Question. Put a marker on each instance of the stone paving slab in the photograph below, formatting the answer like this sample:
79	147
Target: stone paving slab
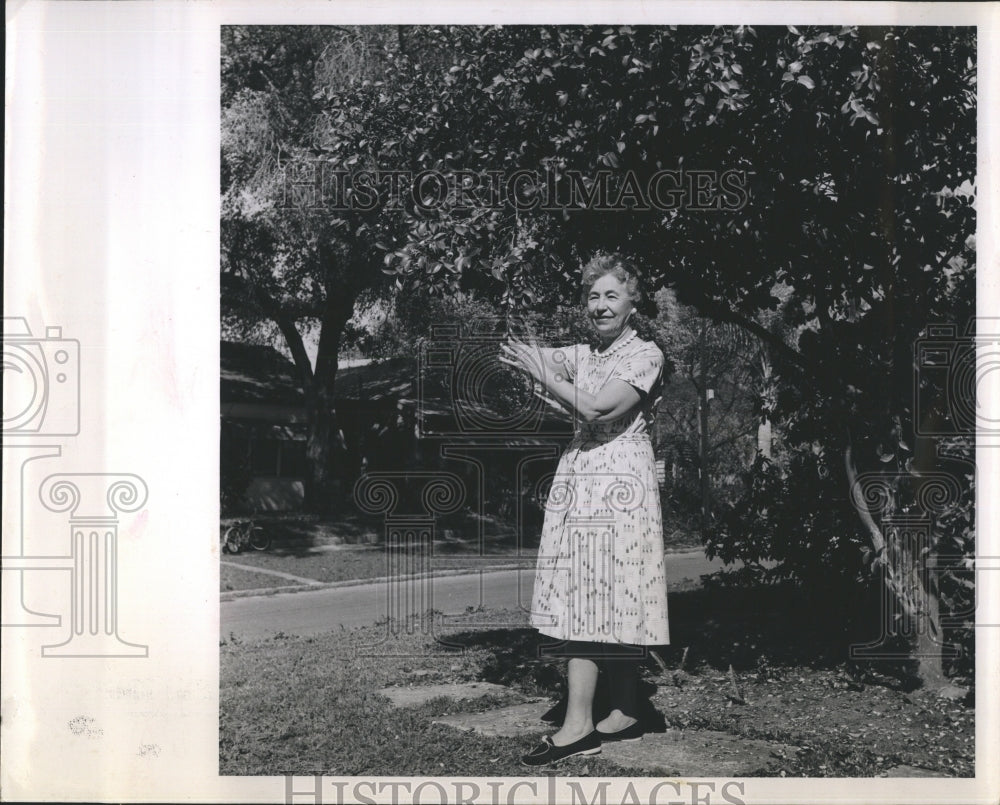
418	695
697	753
506	722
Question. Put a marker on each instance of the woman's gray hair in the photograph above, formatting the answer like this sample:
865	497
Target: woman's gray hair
620	267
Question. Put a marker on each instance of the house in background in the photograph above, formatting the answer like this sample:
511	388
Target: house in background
263	430
263	425
390	418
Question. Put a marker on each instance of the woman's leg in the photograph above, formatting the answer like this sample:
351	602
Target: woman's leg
622	670
579	721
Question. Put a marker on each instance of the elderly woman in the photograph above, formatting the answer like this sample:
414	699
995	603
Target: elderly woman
600	588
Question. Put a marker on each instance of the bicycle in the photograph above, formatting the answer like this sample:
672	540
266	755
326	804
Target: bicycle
243	534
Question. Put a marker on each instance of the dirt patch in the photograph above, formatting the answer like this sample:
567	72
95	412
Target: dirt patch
844	728
416	696
505	722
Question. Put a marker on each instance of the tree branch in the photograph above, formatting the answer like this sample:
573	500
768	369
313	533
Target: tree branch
288	329
722	313
878	540
734	437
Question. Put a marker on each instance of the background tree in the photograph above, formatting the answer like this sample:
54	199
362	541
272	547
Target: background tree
290	268
861	148
721	364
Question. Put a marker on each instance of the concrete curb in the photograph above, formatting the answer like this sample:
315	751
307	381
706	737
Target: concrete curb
229	595
266	571
232	595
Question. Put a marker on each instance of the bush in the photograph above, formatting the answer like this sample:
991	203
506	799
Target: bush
796	514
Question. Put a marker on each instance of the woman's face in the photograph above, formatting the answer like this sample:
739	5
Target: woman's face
609	305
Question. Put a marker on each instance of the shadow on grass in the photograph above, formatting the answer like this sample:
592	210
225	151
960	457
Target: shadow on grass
768	629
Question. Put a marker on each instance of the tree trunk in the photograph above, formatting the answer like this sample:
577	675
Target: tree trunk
706	485
913	588
325	439
930	639
764	437
319	387
319	490
768	397
701	382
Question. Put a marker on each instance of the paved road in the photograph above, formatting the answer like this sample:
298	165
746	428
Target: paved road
314	611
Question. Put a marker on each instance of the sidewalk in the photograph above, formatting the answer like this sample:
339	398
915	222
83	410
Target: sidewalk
308	609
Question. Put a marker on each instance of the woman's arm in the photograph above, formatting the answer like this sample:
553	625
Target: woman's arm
612	401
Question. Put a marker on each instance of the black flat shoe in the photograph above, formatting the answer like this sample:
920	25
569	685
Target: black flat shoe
630	733
547	752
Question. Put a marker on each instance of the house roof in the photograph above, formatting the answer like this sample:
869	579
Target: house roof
257	374
392	379
254	373
476	395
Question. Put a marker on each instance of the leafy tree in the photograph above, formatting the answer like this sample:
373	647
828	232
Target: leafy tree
859	143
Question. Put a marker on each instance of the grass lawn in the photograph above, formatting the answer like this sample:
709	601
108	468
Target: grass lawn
311	705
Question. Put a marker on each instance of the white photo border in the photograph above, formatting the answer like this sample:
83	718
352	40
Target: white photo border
112	222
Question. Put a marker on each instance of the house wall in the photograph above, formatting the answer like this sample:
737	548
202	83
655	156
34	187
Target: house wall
260	468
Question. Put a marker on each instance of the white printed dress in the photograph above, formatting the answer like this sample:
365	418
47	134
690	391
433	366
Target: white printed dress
600	574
